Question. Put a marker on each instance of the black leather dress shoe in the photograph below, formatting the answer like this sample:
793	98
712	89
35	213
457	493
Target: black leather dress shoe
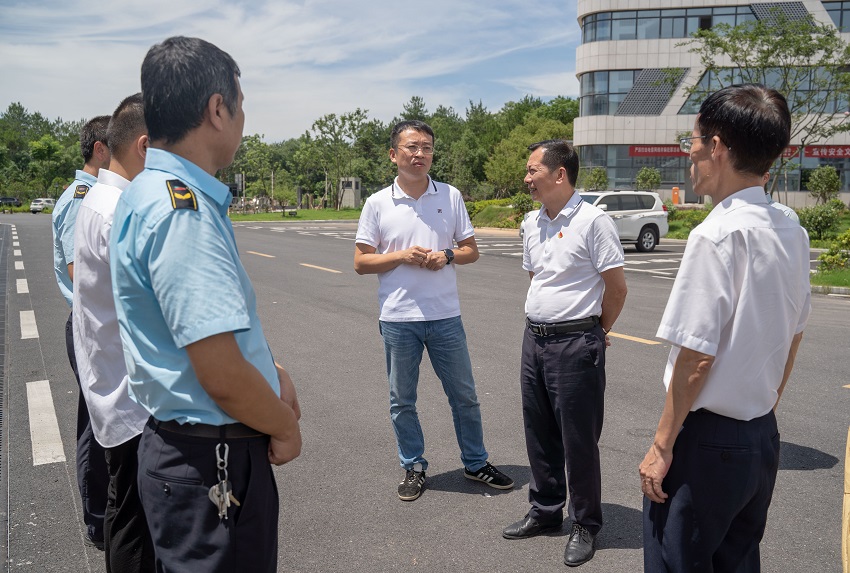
580	547
528	527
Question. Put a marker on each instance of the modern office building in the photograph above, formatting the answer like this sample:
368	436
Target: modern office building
626	63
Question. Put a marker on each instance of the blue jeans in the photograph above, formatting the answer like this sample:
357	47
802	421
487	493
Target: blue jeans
446	343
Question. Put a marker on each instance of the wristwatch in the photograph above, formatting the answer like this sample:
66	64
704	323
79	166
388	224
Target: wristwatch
450	255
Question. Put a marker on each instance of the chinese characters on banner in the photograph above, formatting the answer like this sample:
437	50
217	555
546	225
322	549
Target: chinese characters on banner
819	151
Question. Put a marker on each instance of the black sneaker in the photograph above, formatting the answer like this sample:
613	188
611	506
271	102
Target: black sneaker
411	487
491	476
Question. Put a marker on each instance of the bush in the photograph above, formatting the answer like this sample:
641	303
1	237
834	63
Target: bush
523	203
820	221
824	183
672	210
838	255
475	207
594	180
837	204
648	179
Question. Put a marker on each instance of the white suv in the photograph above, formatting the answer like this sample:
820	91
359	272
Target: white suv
641	217
42	203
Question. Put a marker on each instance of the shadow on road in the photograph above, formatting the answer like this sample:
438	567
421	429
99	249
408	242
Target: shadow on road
796	457
623	527
454	481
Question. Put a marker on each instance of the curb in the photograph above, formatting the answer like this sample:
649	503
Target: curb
841	291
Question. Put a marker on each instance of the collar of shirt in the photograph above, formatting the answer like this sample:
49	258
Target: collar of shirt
398	192
568	211
190	174
86	177
107	177
748	196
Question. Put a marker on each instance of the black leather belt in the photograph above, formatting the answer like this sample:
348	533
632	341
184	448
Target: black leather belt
231	431
554	328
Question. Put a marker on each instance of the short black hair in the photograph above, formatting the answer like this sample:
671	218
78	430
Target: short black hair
413	124
178	78
93	131
127	124
559	153
752	120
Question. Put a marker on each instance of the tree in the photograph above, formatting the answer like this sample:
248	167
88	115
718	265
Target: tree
333	144
803	59
594	180
505	168
648	179
824	183
415	109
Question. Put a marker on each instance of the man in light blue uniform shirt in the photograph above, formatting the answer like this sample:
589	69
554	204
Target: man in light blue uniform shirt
222	411
92	477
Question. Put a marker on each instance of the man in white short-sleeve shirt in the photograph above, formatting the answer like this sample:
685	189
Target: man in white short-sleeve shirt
573	255
735	319
116	420
407	235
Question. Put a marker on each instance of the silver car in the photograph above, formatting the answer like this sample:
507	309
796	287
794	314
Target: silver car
42	203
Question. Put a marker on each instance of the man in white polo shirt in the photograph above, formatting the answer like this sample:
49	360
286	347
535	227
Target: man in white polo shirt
735	319
573	255
407	235
116	420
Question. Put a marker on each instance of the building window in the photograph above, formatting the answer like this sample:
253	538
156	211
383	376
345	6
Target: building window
674	23
713	80
603	92
840	14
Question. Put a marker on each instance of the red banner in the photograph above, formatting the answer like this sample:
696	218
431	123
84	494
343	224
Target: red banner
655	151
790	152
827	151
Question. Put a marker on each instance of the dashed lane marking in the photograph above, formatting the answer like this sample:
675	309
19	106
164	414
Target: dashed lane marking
19	265
17	252
260	254
633	338
44	428
321	268
23	286
647	271
28	326
16	243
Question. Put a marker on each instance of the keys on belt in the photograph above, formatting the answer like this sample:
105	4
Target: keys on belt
555	328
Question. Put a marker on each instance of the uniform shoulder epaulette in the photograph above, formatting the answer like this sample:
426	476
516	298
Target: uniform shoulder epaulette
81	191
181	196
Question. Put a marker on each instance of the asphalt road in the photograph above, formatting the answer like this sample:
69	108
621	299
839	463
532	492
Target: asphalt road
339	509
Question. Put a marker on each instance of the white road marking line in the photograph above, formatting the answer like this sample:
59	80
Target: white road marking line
19	265
16	243
17	252
44	428
665	278
28	326
23	286
647	271
633	338
260	254
321	268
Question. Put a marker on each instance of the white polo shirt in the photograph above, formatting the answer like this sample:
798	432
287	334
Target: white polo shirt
115	418
741	294
567	255
392	221
786	210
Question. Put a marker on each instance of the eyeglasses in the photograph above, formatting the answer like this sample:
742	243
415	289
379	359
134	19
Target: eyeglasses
686	143
414	149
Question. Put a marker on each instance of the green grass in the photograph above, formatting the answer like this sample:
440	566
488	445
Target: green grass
496	216
302	215
837	278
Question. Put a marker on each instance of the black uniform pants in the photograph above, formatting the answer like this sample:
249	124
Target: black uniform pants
127	541
719	488
176	472
563	402
92	476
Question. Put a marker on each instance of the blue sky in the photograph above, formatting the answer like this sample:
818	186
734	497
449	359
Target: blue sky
300	59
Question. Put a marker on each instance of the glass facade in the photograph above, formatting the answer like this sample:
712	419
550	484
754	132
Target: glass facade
603	92
657	24
805	98
840	14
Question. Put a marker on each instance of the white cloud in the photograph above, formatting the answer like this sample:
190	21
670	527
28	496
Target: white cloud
299	59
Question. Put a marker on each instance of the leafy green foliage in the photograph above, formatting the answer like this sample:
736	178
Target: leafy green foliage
820	221
594	180
824	184
648	179
523	203
837	256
